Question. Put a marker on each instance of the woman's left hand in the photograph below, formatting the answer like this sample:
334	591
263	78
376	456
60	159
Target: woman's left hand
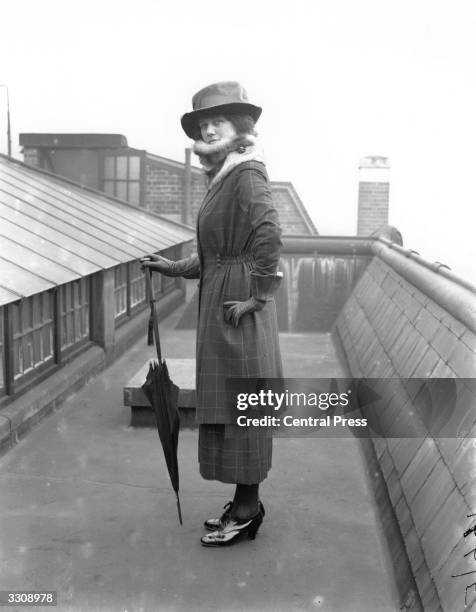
235	310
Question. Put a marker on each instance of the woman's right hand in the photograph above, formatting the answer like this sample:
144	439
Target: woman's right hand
157	263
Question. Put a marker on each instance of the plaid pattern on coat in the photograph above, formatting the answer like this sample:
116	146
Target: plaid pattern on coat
234	454
237	225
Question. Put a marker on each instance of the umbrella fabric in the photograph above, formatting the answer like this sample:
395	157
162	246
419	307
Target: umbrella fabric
162	394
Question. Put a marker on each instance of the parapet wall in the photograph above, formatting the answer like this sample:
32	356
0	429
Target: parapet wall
402	320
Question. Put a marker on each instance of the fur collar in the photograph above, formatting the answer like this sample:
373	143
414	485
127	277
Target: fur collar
233	152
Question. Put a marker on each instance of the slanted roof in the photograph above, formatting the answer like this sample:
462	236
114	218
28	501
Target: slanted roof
53	231
293	215
73	141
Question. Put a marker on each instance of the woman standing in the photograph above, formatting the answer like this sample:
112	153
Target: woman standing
238	238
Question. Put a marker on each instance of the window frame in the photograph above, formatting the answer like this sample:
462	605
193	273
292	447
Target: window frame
127	153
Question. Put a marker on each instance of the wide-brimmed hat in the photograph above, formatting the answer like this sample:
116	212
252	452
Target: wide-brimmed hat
224	97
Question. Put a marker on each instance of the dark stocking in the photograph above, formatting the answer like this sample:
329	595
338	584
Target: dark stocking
245	502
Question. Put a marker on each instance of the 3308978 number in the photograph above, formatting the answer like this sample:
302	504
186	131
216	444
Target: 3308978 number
28	598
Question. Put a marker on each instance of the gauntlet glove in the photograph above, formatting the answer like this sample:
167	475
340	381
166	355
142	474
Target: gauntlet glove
187	268
262	290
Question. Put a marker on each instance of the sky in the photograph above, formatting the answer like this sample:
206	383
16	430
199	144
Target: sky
338	80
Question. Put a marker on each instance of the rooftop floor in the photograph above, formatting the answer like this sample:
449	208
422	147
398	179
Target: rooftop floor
86	509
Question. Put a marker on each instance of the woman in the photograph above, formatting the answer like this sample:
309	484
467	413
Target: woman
238	238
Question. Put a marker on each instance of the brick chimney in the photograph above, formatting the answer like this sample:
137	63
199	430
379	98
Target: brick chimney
374	173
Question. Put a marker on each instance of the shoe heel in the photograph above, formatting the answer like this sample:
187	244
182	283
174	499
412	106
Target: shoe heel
254	529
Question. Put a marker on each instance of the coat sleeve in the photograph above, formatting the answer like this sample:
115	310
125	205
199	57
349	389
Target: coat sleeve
254	196
188	267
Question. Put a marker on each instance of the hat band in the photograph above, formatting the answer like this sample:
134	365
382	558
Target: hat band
216	100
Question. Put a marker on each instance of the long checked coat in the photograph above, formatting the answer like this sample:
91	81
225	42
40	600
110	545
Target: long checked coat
238	234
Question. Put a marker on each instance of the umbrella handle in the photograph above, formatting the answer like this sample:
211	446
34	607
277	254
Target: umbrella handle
179	509
153	313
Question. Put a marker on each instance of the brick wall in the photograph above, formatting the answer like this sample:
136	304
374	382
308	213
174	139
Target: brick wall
392	328
289	215
164	194
373	207
163	191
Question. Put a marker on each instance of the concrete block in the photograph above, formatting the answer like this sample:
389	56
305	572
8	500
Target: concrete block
386	464
373	353
442	370
393	332
427	363
406	364
402	510
444	342
430	598
436	310
463	467
420	297
462	360
394	487
380	367
404	452
424	581
454	325
427	324
469	339
405	339
461	412
419	468
390	287
431	496
414	549
380	446
377	270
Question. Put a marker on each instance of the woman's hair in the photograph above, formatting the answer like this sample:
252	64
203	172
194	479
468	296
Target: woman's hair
243	124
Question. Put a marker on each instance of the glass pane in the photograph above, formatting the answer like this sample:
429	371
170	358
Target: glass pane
121	167
121	190
109	167
27	352
26	313
37	352
77	325
76	301
64	337
47	314
63	298
135	270
16	318
85	322
134	168
37	314
134	193
69	326
47	341
16	357
109	187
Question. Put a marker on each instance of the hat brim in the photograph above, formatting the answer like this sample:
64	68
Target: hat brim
189	120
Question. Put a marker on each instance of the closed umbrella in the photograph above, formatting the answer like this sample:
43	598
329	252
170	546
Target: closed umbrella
162	394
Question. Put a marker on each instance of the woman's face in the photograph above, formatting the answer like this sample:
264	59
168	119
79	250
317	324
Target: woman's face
217	128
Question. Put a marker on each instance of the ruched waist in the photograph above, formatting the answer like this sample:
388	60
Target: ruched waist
228	260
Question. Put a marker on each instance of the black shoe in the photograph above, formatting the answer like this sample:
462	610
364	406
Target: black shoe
213	524
233	531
